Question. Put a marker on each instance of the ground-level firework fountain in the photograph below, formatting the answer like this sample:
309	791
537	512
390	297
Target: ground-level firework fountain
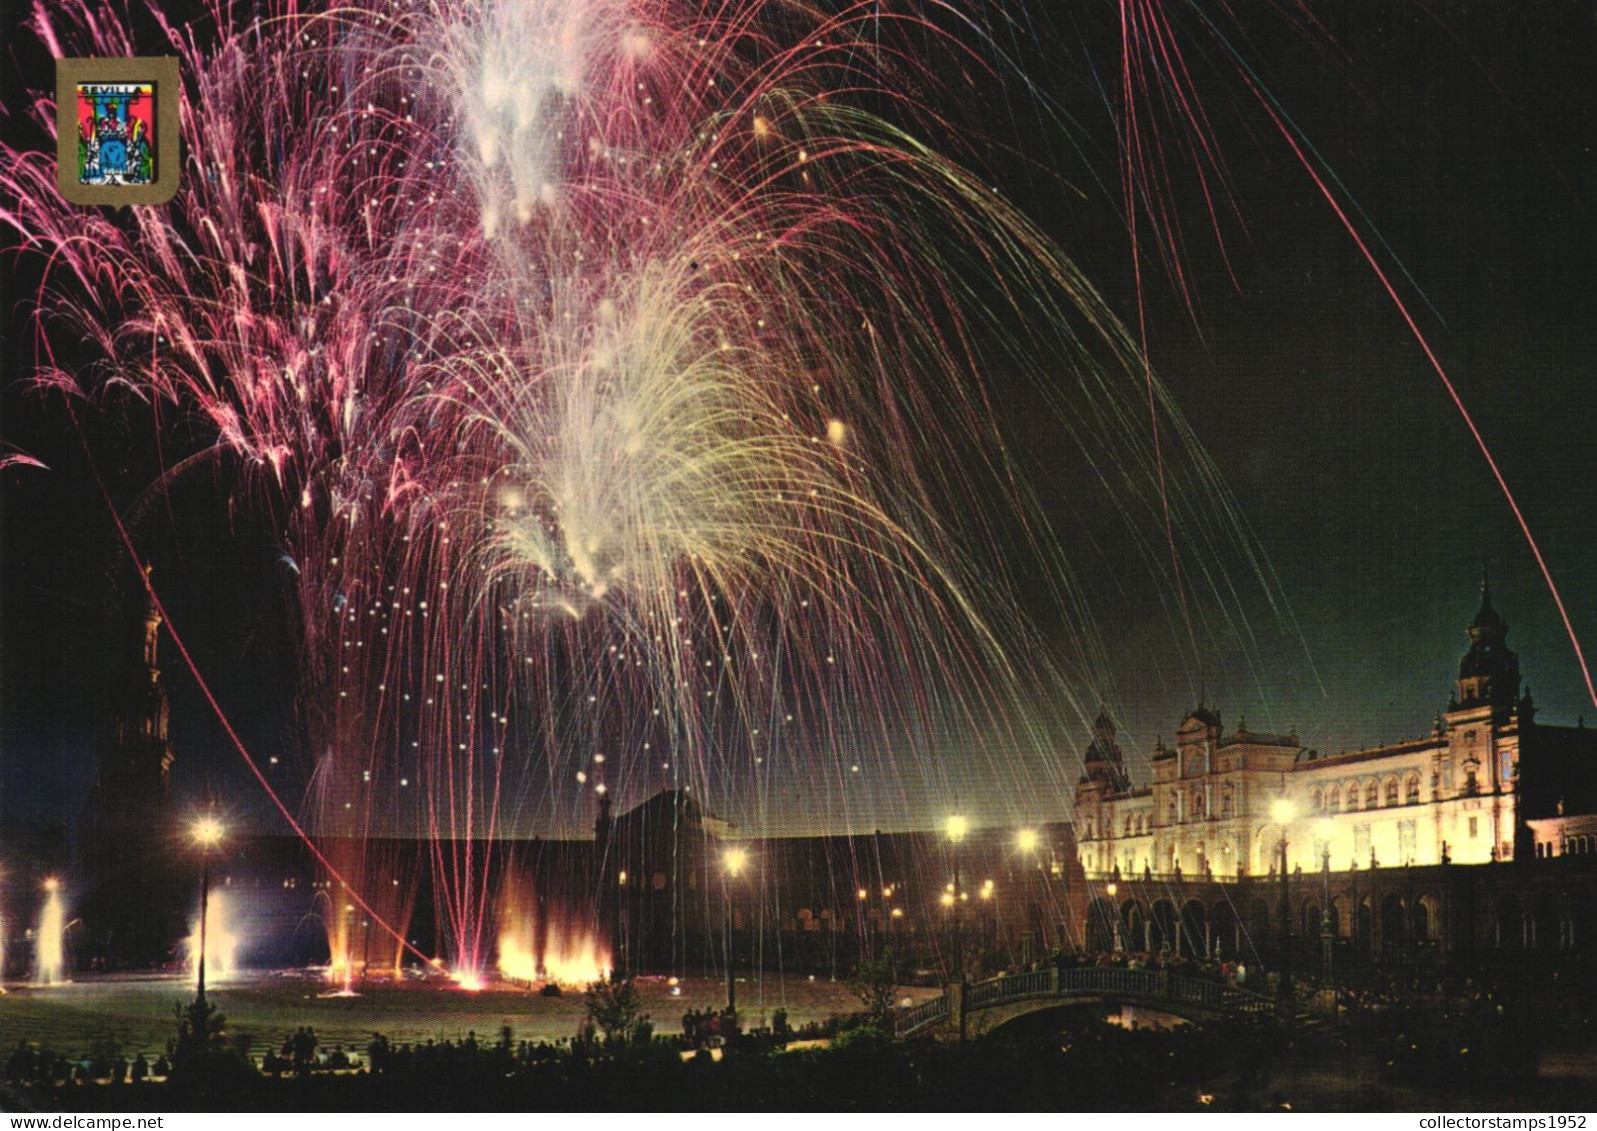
51	964
221	940
545	940
359	946
568	958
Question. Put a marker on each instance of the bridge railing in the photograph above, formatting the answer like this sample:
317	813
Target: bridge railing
1031	982
919	1016
1113	979
1155	984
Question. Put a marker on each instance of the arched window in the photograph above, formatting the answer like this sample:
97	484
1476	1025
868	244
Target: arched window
1175	810
1391	791
1333	800
1319	801
1353	797
1197	803
1372	795
1411	789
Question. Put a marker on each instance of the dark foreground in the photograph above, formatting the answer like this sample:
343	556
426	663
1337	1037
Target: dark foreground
1059	1061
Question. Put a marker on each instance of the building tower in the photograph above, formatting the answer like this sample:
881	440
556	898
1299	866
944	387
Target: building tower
1489	673
1102	762
126	836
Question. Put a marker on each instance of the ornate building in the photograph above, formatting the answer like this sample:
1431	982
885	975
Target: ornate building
1466	792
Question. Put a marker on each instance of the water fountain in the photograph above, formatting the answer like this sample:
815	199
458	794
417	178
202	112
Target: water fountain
50	968
221	940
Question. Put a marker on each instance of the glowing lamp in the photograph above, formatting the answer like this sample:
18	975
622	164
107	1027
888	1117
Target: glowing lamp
1282	810
208	832
734	861
956	828
1026	840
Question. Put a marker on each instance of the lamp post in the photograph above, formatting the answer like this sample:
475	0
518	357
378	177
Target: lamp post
1112	890
1327	931
208	834
1283	811
1026	841
732	864
956	827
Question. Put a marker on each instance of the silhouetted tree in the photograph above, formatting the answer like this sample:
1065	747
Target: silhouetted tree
875	983
614	1008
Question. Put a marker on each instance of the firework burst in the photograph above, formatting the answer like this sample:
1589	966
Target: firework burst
600	365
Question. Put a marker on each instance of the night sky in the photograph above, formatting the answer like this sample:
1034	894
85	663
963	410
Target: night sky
1463	133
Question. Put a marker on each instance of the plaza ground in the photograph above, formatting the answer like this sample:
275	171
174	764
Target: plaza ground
136	1014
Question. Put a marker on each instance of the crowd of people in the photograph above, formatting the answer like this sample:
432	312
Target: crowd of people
28	1065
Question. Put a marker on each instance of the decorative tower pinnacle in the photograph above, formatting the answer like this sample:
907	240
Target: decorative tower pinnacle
1489	672
1102	760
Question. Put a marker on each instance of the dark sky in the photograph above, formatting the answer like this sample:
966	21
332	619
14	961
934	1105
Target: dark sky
1462	132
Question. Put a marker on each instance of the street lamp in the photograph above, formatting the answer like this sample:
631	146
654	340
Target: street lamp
1114	913
1327	930
732	864
956	827
207	834
1282	810
1026	842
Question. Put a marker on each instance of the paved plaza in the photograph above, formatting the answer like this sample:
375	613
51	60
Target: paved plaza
137	1013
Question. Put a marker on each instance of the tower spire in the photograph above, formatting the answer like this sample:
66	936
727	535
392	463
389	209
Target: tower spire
1489	671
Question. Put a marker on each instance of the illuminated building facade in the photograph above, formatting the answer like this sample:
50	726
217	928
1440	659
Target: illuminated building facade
1463	793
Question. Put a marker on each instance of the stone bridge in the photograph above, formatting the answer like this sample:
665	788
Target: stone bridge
1003	999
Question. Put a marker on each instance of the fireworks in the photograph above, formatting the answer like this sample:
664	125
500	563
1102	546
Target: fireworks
599	362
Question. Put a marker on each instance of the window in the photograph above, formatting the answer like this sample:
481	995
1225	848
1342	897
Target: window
1411	789
1391	791
1407	839
1333	800
1319	801
1197	803
1175	811
1473	826
1372	795
1353	798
